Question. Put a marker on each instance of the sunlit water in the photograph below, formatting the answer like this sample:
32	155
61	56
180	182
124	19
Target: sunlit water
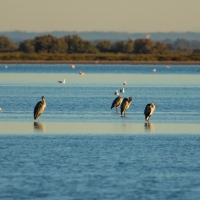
81	149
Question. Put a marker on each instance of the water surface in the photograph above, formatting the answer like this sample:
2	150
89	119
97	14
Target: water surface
82	149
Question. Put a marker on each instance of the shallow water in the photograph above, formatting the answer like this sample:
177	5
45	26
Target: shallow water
72	166
81	149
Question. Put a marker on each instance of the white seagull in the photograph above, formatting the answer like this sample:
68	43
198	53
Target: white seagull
124	83
116	92
122	90
63	82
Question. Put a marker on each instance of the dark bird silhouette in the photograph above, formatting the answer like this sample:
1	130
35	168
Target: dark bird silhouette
39	108
148	111
125	105
117	102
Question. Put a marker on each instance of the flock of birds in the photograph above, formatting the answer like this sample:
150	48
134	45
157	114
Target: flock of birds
125	103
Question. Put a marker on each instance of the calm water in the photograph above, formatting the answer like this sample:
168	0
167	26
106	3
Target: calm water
81	149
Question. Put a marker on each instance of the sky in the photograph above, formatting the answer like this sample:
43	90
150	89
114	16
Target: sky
132	16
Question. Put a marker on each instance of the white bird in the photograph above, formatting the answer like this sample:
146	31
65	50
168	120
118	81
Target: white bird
117	102
124	83
81	73
6	66
73	66
148	111
125	105
168	66
122	90
63	82
39	108
0	109
116	92
154	70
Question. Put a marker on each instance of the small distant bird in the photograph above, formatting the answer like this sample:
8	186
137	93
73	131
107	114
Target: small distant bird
168	66
39	108
122	90
81	73
124	83
148	111
0	109
63	82
116	92
73	66
125	105
154	70
117	102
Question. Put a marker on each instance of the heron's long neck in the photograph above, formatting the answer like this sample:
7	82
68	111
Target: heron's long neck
44	102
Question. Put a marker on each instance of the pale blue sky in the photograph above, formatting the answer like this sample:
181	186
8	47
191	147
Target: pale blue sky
100	15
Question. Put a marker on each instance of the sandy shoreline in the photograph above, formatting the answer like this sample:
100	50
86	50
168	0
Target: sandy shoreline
100	62
96	128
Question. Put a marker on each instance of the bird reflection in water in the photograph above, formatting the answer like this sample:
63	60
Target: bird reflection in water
39	127
149	127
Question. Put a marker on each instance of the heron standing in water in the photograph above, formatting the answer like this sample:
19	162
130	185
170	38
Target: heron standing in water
148	111
125	105
39	108
117	102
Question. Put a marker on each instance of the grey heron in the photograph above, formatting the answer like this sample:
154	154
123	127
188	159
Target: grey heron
39	108
148	111
117	102
125	105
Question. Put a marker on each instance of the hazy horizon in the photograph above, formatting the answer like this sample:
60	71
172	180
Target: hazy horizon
129	16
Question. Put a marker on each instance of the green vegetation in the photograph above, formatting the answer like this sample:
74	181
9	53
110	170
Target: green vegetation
51	48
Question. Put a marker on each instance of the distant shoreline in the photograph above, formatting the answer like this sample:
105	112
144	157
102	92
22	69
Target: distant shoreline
100	62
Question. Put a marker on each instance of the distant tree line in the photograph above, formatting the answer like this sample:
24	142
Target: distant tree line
73	44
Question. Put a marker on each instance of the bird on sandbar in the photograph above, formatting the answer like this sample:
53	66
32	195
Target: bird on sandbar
63	82
125	105
39	108
124	83
116	103
148	111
